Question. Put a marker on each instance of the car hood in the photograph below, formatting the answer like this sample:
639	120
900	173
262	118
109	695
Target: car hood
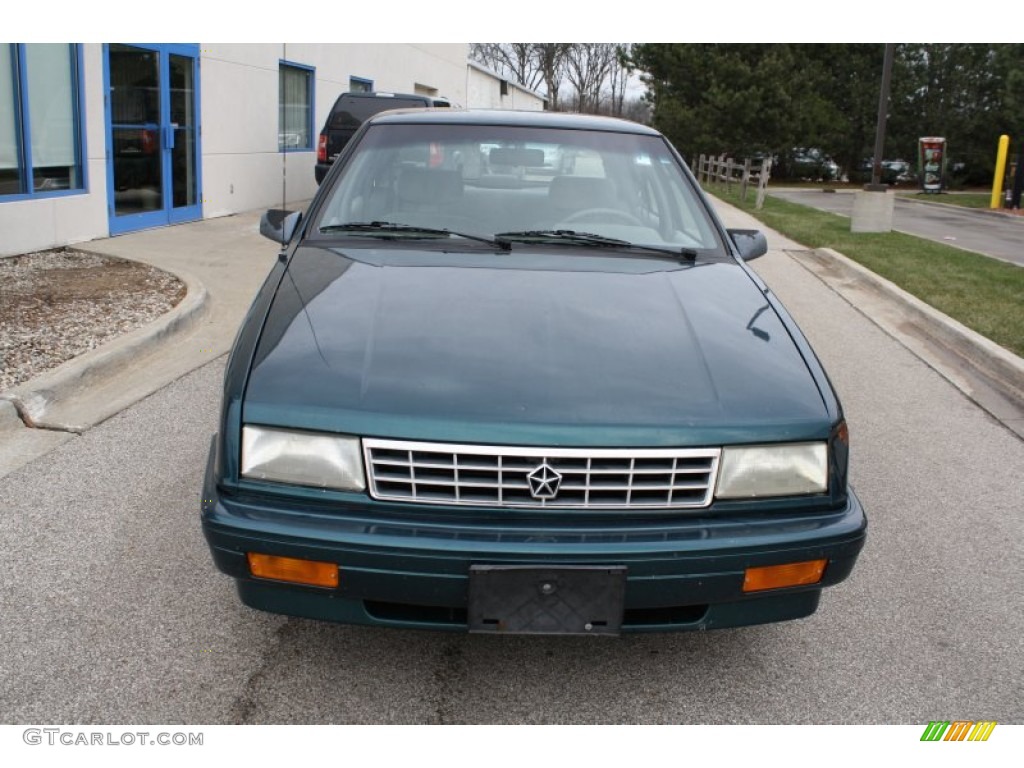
537	346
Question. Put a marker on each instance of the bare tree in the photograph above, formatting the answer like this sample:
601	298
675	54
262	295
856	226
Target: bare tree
533	65
597	73
618	78
588	68
551	59
510	60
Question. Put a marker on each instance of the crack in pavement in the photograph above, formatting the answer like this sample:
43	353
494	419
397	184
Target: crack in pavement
449	676
244	707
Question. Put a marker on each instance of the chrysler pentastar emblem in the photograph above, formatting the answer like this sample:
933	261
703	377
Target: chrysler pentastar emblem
544	482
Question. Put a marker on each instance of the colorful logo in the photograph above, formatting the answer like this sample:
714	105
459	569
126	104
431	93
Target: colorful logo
958	730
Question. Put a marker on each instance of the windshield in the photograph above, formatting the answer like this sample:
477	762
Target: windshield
489	180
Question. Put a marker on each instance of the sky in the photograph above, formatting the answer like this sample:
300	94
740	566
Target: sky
402	21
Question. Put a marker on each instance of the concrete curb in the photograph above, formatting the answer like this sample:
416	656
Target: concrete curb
9	418
33	398
1002	368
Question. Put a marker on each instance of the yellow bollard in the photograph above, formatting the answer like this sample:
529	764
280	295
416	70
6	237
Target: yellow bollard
997	181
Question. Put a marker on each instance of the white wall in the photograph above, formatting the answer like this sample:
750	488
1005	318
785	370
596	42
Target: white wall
31	225
241	166
484	92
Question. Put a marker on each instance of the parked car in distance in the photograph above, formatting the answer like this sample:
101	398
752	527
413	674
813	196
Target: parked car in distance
558	404
349	112
894	172
899	171
809	164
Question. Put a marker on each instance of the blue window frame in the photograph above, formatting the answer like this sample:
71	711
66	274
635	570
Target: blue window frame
360	85
42	145
296	107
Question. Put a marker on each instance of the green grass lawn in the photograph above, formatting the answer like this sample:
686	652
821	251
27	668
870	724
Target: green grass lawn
984	294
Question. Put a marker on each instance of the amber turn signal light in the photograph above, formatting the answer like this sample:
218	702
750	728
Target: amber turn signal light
292	569
788	575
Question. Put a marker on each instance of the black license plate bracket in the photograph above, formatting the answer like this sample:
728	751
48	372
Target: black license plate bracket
560	600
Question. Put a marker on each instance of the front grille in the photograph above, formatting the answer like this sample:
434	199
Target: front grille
562	478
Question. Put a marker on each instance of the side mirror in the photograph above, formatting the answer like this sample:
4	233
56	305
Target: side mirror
279	225
751	243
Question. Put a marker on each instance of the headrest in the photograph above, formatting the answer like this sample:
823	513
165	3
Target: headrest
528	158
422	185
579	192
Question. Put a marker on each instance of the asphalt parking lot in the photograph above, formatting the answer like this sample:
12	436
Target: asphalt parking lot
997	235
113	611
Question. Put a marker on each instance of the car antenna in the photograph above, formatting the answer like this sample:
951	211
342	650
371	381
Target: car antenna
284	164
282	254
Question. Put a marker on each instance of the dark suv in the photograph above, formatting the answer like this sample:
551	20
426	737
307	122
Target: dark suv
350	111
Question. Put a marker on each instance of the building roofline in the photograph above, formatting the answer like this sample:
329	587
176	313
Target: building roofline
513	83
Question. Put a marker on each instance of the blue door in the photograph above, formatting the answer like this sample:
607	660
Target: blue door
152	114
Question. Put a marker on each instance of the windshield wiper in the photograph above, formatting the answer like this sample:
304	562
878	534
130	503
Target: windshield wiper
389	229
571	236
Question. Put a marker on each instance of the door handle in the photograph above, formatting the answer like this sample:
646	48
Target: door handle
169	136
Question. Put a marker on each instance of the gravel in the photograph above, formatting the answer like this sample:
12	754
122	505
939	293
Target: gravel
56	305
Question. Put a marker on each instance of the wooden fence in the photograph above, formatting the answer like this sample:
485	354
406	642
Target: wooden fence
726	170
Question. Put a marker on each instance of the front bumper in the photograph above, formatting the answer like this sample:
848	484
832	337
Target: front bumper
683	573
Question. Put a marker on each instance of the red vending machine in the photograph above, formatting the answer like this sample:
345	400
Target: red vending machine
931	163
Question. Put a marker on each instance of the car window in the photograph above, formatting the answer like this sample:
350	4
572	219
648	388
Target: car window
351	111
492	179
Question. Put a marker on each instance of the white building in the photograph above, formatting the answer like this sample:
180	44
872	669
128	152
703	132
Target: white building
488	90
99	139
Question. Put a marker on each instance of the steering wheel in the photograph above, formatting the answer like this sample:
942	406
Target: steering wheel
591	214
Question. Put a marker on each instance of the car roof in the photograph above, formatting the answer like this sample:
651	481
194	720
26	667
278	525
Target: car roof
528	119
386	95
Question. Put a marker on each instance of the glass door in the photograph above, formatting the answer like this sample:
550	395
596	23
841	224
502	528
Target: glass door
152	117
183	127
135	120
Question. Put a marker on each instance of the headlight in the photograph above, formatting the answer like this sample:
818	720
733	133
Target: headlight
302	458
773	470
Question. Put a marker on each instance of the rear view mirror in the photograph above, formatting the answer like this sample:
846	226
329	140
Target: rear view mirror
751	243
279	225
528	158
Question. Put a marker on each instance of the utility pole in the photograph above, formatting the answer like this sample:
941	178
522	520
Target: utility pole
873	205
883	113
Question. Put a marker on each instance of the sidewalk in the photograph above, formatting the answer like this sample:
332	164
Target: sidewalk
224	261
